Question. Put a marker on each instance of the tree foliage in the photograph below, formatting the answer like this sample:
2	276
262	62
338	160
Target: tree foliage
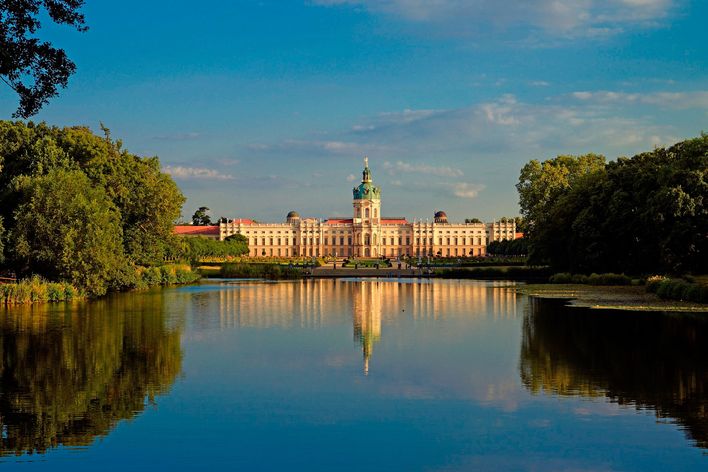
65	228
31	67
511	247
196	248
201	217
129	195
644	214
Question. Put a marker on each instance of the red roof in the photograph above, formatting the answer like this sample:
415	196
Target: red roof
394	221
192	230
339	221
243	221
518	235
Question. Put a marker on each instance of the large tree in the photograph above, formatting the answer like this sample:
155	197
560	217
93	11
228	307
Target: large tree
66	228
31	67
142	201
644	214
201	217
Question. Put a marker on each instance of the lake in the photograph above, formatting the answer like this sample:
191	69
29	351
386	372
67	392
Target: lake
350	374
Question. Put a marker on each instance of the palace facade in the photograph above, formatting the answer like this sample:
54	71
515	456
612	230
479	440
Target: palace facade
367	234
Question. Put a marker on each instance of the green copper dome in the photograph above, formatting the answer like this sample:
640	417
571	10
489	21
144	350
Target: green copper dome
367	190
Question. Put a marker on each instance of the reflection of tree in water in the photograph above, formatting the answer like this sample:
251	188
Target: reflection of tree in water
648	360
69	376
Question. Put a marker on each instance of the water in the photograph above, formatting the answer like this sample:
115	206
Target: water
350	375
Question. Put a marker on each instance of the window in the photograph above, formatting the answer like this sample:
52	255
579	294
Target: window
366	213
441	241
376	213
341	241
408	240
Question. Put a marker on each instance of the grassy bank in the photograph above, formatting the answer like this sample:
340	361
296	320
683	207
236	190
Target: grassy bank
524	273
618	297
260	271
172	274
36	289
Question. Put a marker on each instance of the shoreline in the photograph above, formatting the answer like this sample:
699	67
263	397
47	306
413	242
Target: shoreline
624	297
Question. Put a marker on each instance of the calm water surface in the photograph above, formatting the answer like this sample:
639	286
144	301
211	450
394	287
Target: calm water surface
350	375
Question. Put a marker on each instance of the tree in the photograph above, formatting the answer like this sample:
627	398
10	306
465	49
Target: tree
472	220
67	229
2	242
34	69
201	217
638	215
540	186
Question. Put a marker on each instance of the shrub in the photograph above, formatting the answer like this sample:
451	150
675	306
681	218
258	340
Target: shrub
561	278
259	271
679	289
35	290
652	283
609	279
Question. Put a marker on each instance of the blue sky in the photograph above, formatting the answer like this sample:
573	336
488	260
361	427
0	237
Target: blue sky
260	107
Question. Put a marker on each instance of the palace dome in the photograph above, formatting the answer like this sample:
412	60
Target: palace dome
367	190
440	217
292	216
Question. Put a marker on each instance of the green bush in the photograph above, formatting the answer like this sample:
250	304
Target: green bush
259	271
35	290
593	279
679	289
561	278
609	279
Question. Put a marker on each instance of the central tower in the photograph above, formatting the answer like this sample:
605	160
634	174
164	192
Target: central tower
367	216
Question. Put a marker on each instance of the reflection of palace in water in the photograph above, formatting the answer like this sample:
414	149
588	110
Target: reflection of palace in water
369	304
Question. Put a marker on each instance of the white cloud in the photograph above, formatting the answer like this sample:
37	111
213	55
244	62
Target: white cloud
678	100
405	167
321	147
466	190
195	173
567	18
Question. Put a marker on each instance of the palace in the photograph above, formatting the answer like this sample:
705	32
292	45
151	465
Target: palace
367	234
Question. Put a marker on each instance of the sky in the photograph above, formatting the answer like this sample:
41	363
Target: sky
261	107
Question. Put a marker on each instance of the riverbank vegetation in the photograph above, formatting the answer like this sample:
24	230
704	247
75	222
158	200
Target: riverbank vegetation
260	271
646	214
678	289
523	273
592	279
36	289
198	249
77	208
